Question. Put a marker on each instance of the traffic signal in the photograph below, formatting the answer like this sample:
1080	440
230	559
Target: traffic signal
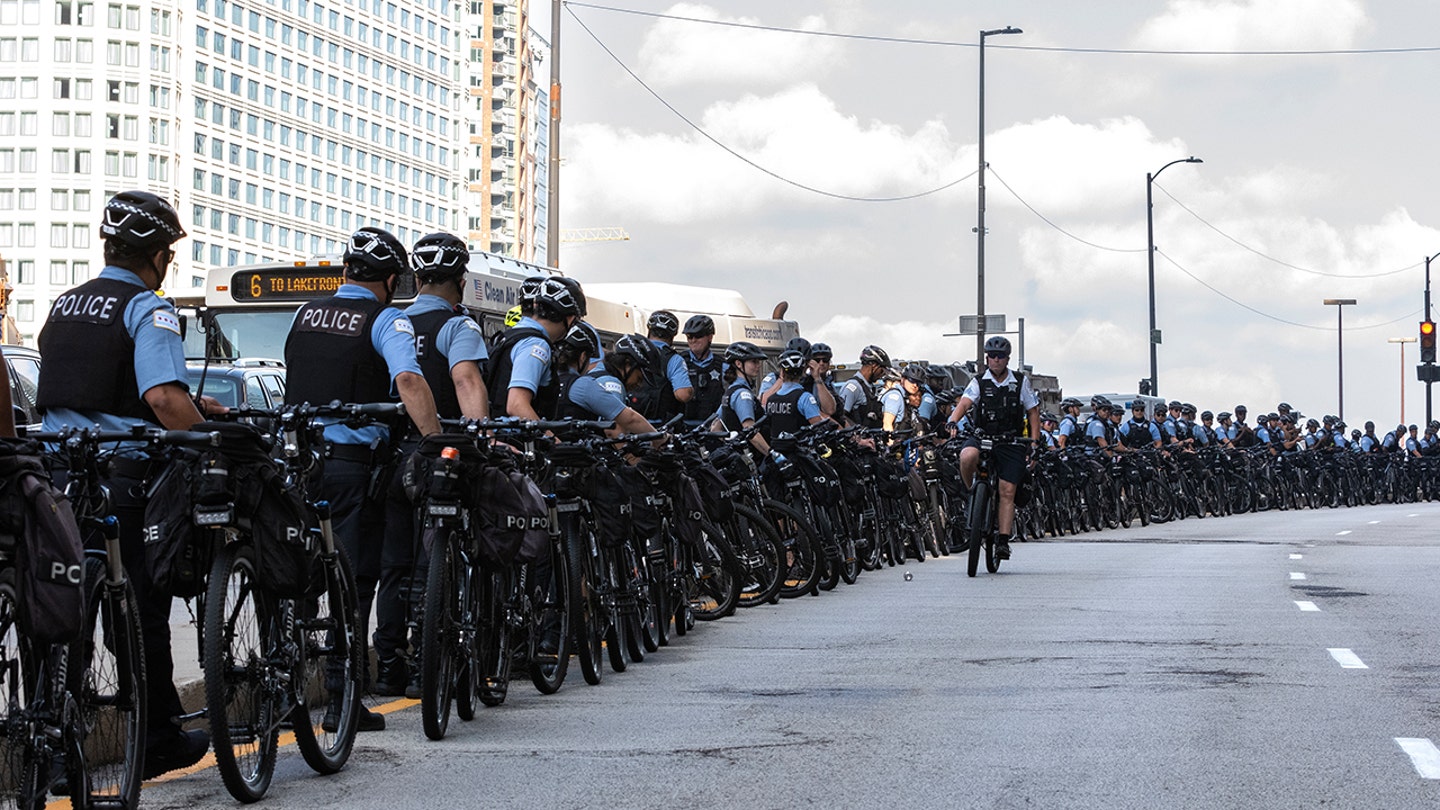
1427	341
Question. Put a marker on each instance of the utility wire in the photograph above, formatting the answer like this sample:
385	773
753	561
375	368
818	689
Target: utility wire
1244	305
1212	227
956	44
712	139
1049	222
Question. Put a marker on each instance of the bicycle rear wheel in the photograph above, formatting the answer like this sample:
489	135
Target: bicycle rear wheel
979	518
803	563
442	652
16	756
107	680
327	637
550	629
587	614
761	551
242	638
717	574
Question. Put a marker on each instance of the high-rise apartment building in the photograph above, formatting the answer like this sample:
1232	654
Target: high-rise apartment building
501	119
277	127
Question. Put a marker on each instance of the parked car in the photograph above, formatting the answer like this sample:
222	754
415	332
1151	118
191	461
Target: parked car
24	365
256	382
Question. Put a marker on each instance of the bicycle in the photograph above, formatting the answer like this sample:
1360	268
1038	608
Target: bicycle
984	508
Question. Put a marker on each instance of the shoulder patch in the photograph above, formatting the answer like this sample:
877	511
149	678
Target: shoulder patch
613	386
404	325
471	325
540	352
746	396
166	319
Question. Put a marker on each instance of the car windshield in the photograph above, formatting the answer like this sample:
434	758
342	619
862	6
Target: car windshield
223	388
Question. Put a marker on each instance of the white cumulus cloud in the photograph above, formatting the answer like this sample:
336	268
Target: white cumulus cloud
677	52
1224	25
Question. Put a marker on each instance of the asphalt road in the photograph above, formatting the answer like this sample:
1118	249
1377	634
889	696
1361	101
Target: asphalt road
1277	660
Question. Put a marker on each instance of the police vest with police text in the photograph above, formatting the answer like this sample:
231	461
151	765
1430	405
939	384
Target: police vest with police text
329	354
783	412
90	353
434	365
1139	434
866	412
728	417
497	381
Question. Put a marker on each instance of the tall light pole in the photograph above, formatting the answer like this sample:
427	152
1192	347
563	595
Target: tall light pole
1150	255
1426	371
1402	341
980	209
552	209
1340	304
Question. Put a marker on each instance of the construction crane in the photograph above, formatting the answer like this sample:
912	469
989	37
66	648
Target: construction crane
609	234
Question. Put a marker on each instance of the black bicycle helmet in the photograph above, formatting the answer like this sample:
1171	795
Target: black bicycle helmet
554	301
1137	404
140	220
439	257
1097	402
1224	416
529	287
821	351
663	323
799	344
582	337
791	360
743	350
914	373
374	254
699	326
1284	406
1069	402
1312	423
1206	415
639	350
876	355
1048	417
1187	409
997	344
576	292
1355	434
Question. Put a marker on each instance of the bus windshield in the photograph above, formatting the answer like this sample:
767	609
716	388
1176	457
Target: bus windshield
235	333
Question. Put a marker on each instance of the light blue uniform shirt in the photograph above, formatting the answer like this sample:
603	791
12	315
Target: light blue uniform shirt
893	402
393	337
460	339
603	396
153	324
742	402
927	405
530	359
675	369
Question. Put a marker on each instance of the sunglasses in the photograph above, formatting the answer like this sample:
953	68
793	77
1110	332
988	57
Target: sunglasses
996	355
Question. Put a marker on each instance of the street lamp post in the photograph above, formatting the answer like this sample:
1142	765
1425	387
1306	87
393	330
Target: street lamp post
1428	383
1340	304
1150	254
1402	341
980	207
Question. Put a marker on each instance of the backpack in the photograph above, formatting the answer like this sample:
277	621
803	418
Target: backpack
49	553
177	558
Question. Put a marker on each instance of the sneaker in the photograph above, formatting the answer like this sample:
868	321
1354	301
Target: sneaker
391	677
1002	549
181	751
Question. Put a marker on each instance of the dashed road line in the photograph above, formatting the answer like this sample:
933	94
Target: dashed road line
1373	522
1308	607
1297	556
1423	755
1342	534
1297	575
1347	659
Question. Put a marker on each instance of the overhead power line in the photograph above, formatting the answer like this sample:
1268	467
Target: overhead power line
712	139
956	44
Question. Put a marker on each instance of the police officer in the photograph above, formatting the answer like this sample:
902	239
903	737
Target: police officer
704	369
791	407
1368	443
451	351
1204	433
1005	405
1139	432
519	379
602	393
744	362
113	357
857	396
817	380
1099	438
892	401
355	347
572	358
668	388
1068	433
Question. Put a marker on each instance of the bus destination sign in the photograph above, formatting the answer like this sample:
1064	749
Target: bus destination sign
285	283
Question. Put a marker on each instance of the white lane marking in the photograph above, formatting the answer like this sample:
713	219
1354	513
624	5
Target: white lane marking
1297	556
1342	534
1347	659
1296	575
1413	514
1373	522
1423	755
1308	607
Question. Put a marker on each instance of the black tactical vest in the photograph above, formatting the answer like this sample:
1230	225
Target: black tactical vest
728	417
707	389
999	411
434	364
655	399
783	411
497	381
1139	435
566	409
329	354
89	353
867	411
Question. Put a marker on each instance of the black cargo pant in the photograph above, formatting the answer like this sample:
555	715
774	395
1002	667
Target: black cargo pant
402	559
358	522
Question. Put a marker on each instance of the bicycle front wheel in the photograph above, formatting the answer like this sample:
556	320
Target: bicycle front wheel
327	637
242	638
979	524
761	551
107	672
441	648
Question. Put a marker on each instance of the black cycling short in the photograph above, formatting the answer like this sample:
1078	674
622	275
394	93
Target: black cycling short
1009	460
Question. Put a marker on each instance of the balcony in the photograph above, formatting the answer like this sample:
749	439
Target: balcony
506	117
502	163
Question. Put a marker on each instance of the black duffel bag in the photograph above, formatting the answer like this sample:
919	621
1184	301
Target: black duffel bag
611	507
715	491
49	553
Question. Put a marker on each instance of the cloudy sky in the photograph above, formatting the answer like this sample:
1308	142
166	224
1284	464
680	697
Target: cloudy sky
1319	179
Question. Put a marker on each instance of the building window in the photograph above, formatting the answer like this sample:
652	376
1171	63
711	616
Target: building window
59	272
25	311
